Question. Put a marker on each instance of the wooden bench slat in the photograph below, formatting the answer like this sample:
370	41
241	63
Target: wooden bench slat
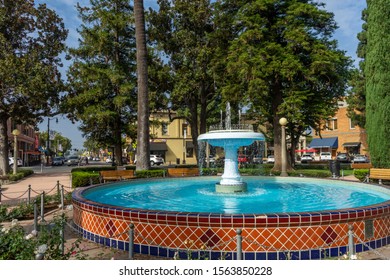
183	172
116	175
361	165
379	173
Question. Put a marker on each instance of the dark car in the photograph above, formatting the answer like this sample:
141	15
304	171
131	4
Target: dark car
57	161
343	157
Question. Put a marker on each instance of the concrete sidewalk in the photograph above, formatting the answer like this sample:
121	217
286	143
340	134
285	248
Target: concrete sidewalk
39	182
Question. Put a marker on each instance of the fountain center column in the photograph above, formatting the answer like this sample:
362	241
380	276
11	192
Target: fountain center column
231	179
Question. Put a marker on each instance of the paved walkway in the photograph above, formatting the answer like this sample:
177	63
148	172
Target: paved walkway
39	182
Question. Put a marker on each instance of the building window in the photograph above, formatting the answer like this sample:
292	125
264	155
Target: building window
331	124
184	131
164	129
189	152
351	124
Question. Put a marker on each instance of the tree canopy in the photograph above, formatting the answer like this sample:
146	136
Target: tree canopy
376	72
31	40
284	63
102	77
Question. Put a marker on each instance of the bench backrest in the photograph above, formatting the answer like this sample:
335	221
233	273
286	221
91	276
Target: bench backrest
183	172
361	165
380	173
113	173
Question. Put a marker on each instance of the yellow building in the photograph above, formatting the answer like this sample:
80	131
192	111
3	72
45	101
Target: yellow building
171	139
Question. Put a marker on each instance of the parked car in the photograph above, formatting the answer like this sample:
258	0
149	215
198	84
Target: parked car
271	159
257	159
96	159
11	162
243	159
343	157
360	159
154	160
306	158
72	160
108	160
57	161
210	160
325	156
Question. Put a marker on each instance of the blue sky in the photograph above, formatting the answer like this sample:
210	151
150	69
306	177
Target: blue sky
347	15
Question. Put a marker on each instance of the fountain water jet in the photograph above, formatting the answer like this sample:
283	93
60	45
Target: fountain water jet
231	140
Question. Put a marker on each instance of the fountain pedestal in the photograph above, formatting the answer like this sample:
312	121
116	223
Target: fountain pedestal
231	179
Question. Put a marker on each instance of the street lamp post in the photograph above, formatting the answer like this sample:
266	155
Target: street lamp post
48	138
184	142
283	123
15	133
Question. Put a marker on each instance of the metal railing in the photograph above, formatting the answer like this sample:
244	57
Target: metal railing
217	127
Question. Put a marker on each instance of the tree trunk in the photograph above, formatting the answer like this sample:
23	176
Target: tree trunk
118	142
143	145
4	164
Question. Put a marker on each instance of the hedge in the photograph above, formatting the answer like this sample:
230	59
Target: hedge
150	173
361	174
82	179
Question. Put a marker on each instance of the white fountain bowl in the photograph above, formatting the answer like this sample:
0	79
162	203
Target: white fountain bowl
239	138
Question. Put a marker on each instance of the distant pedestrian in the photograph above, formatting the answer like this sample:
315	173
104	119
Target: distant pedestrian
86	160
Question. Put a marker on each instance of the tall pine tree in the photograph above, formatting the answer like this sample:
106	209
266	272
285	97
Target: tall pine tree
102	78
377	73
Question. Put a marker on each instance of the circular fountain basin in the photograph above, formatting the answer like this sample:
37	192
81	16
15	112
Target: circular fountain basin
190	216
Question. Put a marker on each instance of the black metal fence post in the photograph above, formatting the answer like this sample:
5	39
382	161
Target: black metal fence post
239	244
131	241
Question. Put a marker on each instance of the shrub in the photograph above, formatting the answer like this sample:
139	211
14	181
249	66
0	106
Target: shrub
82	179
20	212
15	244
361	174
21	173
92	169
310	173
150	173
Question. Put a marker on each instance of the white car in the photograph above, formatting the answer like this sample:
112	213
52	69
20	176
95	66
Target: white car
109	160
11	162
360	159
154	160
271	159
306	158
325	156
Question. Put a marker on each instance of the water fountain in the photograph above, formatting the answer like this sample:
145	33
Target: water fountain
275	217
231	138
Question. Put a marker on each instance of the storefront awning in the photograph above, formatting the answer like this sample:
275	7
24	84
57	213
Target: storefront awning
351	144
331	142
158	146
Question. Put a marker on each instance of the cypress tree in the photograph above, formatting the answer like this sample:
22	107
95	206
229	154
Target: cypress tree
377	72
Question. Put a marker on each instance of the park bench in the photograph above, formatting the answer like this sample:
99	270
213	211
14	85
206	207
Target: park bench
183	172
361	165
116	175
379	173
